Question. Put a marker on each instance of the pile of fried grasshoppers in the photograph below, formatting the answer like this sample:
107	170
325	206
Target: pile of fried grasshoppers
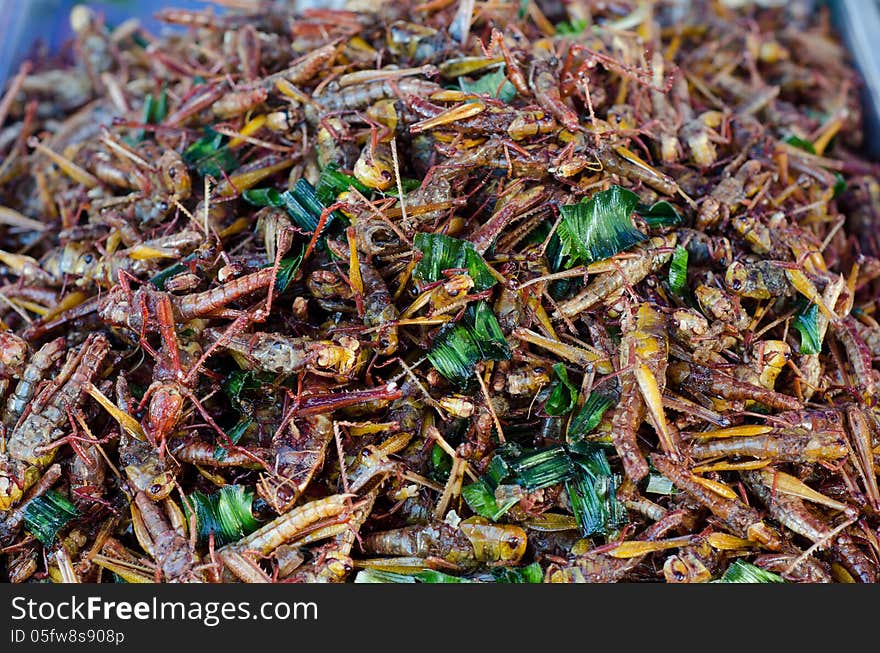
436	292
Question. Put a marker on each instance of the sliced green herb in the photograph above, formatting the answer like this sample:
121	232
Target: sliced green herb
306	196
476	337
153	112
263	197
382	576
590	414
209	156
226	513
592	491
332	182
840	185
287	269
441	252
497	471
573	28
659	214
434	577
302	203
160	107
543	468
161	277
455	354
598	228
800	143
494	84
441	463
147	112
678	270
481	500
582	466
45	515
409	185
563	395
529	574
487	332
741	571
658	484
301	216
235	434
236	383
139	39
807	324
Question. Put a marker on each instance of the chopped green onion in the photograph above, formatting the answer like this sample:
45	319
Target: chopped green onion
494	84
678	270
497	471
807	324
590	414
476	337
598	228
226	513
563	395
744	572
659	214
553	251
800	143
287	269
45	515
481	500
441	252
